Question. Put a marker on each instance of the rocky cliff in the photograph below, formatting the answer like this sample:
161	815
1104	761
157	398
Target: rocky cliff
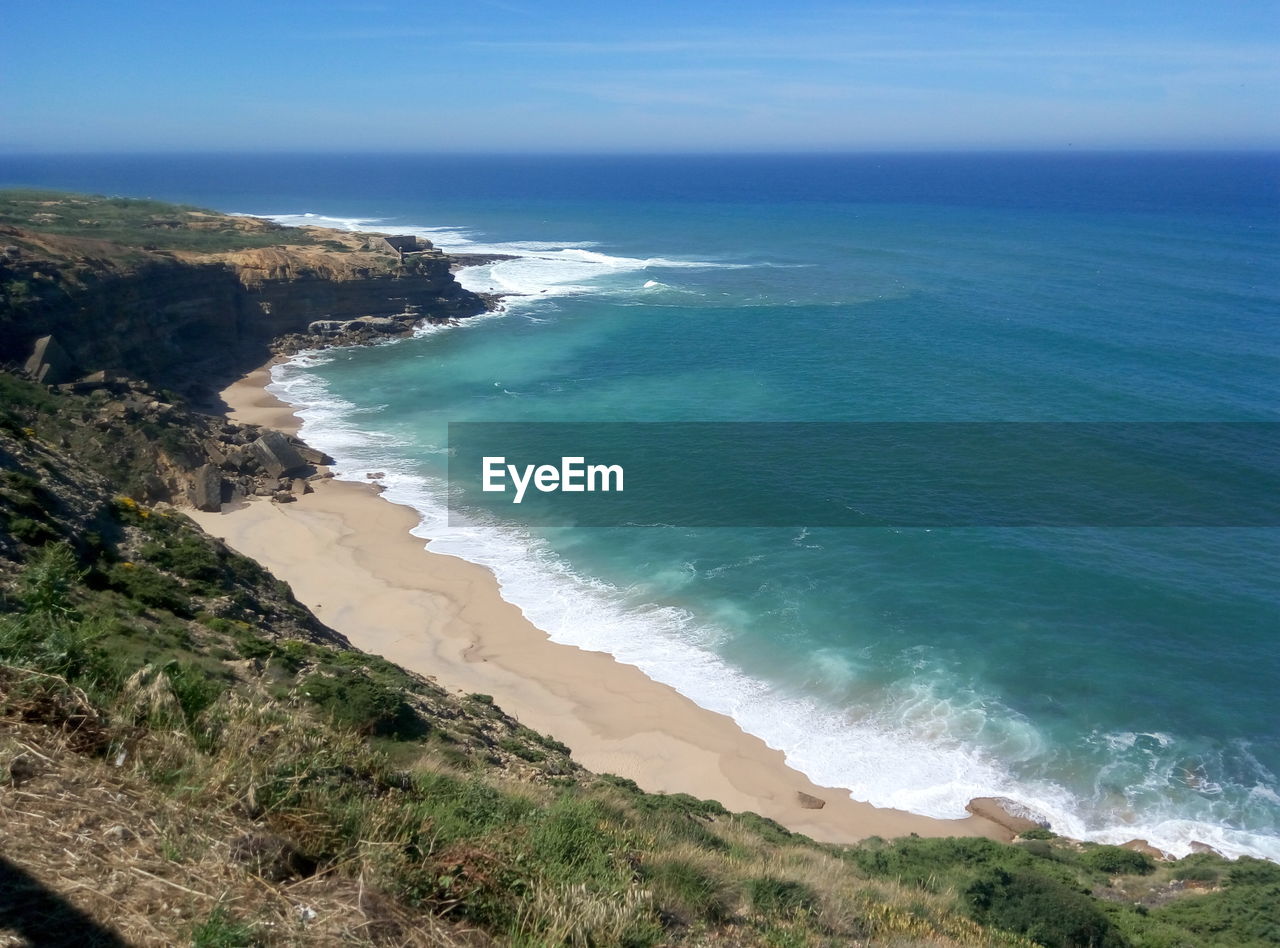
184	301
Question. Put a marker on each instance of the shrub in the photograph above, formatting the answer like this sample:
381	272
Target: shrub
249	645
53	645
47	581
149	587
1039	848
771	896
1118	861
1045	910
1197	874
1199	867
194	689
522	750
622	783
187	557
354	699
682	803
31	532
1245	913
1250	871
770	831
1037	832
929	863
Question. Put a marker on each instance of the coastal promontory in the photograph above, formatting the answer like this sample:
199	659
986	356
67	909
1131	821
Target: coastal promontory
184	298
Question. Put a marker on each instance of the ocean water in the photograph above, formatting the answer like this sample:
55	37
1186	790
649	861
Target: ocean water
1121	683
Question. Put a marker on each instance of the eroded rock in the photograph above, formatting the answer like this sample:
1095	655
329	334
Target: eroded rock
205	492
275	454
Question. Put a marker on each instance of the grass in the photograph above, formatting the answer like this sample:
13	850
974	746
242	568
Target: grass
221	930
137	223
558	861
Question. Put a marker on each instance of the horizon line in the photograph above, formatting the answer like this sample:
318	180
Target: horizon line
1269	149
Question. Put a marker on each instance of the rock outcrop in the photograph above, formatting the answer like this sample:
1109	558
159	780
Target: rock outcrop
49	362
275	455
192	321
206	488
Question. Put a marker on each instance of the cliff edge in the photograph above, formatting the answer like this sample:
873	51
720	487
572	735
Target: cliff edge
189	299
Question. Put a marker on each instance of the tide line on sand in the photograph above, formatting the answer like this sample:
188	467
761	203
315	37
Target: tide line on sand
348	555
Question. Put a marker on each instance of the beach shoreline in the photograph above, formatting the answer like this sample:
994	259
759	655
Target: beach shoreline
349	556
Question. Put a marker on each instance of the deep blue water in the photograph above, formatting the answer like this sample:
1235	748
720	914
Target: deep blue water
1121	682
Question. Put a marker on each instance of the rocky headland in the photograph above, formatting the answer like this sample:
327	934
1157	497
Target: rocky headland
188	300
152	318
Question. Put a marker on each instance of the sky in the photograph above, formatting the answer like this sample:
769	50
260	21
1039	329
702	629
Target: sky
657	76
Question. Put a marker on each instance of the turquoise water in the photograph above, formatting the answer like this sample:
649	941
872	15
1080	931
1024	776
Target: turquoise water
1120	682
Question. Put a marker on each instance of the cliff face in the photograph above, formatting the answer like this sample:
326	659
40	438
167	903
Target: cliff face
161	315
286	295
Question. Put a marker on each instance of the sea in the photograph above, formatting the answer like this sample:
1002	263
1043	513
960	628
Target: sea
1117	682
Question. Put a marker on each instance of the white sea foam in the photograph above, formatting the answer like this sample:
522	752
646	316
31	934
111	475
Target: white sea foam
919	750
913	747
541	268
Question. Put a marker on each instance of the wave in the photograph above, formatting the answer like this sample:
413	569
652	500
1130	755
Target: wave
921	745
918	747
541	268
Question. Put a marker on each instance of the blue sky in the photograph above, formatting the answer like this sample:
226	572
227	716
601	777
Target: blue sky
519	75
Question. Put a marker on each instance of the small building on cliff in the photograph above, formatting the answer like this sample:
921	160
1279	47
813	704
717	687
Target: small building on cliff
399	244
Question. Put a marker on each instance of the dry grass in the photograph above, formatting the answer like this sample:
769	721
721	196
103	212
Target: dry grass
153	869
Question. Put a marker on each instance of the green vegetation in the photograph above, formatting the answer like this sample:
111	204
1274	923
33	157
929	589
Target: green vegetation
531	862
1117	861
221	930
770	896
138	224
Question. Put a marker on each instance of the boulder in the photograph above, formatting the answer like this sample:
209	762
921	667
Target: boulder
326	327
233	458
1006	813
376	324
95	381
283	497
276	455
1142	846
49	363
313	456
216	452
1198	847
205	492
300	487
808	801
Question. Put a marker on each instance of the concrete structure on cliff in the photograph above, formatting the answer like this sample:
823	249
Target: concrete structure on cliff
401	245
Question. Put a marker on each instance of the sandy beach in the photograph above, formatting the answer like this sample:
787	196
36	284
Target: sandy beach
349	556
